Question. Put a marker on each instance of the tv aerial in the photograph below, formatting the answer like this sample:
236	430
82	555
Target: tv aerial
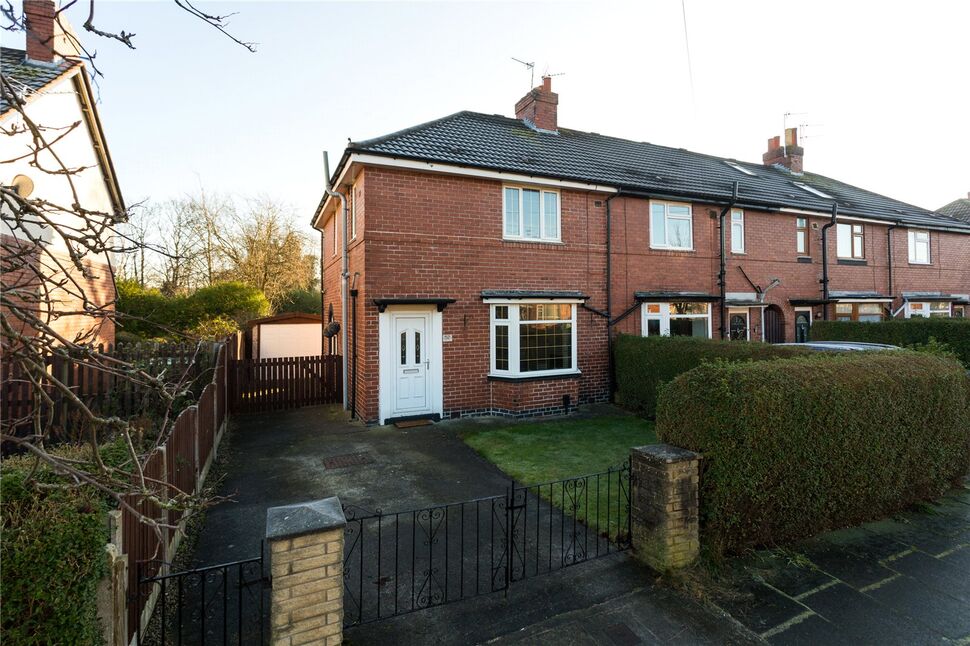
532	70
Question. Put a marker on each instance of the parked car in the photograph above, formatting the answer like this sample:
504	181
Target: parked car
843	346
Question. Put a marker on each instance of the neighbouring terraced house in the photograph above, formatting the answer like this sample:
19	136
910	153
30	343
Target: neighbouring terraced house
490	259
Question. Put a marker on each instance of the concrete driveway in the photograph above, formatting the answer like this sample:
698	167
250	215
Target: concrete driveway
307	454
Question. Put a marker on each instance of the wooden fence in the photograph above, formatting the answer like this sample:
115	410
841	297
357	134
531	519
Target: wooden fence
179	466
101	391
262	385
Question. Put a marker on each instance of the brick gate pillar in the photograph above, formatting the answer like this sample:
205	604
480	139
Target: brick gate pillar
306	543
664	516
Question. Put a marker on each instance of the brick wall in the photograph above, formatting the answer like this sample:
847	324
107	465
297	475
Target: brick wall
427	235
63	307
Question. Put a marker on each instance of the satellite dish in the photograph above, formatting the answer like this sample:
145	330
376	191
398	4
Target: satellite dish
23	185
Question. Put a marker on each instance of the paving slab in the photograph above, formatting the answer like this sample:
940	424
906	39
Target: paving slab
904	580
935	611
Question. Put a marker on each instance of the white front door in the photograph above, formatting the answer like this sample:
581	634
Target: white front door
411	381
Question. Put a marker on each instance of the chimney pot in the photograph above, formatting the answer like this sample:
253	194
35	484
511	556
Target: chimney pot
790	156
540	106
40	15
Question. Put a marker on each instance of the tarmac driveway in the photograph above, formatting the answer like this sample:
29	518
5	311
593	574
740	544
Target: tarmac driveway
311	453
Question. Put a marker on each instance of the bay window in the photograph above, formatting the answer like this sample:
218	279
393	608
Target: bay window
530	214
676	319
919	247
533	339
932	309
671	226
850	242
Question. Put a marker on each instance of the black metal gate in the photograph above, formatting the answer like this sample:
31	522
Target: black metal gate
216	604
401	562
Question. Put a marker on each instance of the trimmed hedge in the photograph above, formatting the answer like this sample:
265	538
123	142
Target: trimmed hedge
798	446
642	364
954	332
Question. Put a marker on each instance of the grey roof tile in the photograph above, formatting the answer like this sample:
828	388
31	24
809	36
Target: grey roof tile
959	209
28	77
505	144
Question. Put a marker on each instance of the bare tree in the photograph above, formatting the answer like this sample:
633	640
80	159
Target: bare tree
266	250
56	248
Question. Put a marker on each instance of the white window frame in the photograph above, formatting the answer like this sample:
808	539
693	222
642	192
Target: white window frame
802	250
852	236
544	235
737	224
914	235
664	316
738	167
514	370
353	212
667	217
924	309
336	231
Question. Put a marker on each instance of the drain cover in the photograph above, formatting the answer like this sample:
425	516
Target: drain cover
347	460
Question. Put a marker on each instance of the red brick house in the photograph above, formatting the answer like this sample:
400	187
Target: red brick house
490	259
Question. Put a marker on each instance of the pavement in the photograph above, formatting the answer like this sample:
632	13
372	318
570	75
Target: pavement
282	458
903	580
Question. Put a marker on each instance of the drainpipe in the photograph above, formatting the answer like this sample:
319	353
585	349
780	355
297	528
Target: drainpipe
889	255
825	261
722	273
353	378
344	275
609	298
323	300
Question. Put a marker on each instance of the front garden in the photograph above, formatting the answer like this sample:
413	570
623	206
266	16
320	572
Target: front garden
794	443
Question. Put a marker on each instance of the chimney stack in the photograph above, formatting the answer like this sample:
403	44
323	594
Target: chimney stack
790	155
539	106
40	17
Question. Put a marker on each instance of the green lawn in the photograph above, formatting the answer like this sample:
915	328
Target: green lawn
538	452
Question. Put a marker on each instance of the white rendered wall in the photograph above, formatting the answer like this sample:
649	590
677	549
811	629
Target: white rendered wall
289	340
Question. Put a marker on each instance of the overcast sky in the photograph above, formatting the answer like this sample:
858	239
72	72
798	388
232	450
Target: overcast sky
883	85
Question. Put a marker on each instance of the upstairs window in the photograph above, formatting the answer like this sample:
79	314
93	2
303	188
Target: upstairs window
851	241
737	231
671	226
919	247
353	212
801	236
531	214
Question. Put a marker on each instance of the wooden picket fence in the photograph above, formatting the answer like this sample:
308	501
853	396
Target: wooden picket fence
262	385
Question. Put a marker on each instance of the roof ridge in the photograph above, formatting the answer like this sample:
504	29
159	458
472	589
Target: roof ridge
404	131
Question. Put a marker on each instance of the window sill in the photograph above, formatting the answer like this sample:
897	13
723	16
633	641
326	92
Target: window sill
920	264
739	253
852	261
539	377
672	249
533	241
805	259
